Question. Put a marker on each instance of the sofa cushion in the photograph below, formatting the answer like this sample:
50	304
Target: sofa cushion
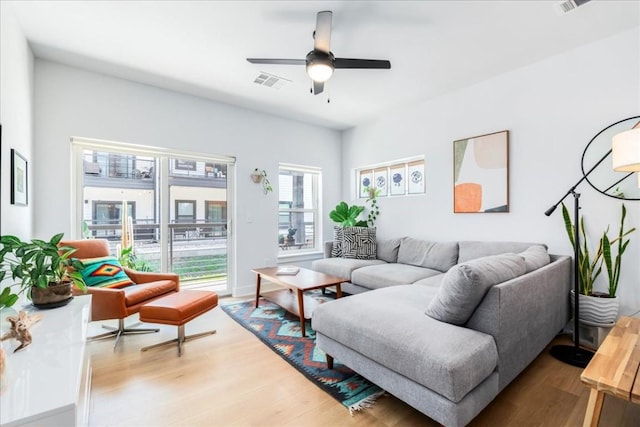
338	238
439	256
464	286
383	275
389	326
341	267
432	281
104	272
359	242
535	256
468	250
387	249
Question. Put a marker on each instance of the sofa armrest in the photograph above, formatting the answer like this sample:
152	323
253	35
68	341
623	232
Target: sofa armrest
147	277
328	247
524	314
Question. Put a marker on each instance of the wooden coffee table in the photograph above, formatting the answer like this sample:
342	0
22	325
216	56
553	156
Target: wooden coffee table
296	302
614	369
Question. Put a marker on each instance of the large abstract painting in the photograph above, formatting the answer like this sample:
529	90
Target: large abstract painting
481	173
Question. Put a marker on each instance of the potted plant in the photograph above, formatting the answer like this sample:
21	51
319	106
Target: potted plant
260	176
598	307
290	240
43	269
347	216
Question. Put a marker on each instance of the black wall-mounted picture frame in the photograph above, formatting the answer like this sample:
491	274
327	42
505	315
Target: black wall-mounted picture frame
19	179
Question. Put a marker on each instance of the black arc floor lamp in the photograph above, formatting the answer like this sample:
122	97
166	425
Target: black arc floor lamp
625	153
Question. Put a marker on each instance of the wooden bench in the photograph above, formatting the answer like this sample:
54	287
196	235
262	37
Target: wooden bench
614	368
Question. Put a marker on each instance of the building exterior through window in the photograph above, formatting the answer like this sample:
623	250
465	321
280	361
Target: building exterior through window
298	208
195	197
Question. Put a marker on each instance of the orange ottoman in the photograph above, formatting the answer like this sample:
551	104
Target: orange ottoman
178	309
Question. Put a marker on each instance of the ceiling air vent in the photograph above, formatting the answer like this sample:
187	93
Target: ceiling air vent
269	80
567	6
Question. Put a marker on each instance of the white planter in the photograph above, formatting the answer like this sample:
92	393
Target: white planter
597	310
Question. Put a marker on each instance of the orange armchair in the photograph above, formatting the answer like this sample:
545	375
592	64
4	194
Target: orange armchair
108	303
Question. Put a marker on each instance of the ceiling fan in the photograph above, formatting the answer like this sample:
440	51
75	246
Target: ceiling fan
320	62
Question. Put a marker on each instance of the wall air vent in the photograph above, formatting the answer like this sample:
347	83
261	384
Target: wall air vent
567	6
269	80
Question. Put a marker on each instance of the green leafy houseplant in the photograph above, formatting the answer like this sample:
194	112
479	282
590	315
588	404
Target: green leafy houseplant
613	265
374	209
37	263
129	259
347	216
590	267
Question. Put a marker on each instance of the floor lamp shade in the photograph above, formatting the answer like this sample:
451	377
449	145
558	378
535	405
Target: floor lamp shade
625	151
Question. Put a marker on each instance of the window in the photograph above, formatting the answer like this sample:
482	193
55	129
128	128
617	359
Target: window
216	214
177	204
106	214
298	208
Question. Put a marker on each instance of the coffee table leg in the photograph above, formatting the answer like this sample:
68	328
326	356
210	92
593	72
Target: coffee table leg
338	291
257	290
301	309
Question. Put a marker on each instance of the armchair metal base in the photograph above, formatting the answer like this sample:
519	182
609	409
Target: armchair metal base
181	339
120	331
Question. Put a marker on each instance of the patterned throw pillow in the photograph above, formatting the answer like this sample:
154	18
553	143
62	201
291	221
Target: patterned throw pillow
338	238
104	272
359	243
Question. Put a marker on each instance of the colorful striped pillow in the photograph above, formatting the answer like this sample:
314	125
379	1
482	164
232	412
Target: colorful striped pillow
104	272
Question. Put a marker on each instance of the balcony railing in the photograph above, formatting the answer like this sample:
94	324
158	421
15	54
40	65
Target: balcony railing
197	250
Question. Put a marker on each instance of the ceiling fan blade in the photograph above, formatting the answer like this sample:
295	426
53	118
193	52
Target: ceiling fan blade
362	63
277	61
322	34
318	87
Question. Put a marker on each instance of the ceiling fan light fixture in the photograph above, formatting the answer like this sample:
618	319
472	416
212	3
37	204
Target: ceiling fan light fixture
320	72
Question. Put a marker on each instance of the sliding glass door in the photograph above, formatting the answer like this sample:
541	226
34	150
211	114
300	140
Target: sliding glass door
171	210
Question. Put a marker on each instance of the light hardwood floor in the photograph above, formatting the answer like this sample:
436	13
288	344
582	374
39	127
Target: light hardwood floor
232	379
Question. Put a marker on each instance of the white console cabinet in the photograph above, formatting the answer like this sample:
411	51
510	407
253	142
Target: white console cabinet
48	383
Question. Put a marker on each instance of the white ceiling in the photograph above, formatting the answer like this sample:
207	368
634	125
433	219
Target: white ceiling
200	47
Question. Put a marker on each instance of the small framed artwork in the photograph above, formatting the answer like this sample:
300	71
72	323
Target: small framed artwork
365	181
415	176
19	178
380	179
481	173
397	182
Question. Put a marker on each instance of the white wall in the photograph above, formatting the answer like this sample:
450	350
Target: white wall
16	117
73	102
552	110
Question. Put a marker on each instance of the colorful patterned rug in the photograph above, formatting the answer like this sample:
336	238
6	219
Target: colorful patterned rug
280	331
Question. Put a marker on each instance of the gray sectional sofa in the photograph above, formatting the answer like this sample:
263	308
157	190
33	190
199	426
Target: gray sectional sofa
445	326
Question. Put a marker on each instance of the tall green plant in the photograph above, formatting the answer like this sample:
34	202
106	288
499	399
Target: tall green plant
613	266
588	269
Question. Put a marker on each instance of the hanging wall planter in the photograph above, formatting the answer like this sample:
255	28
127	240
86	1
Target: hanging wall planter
260	176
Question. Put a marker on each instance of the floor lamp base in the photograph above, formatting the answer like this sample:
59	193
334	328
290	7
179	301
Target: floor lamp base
572	355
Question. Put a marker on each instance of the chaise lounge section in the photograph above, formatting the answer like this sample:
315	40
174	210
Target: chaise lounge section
490	314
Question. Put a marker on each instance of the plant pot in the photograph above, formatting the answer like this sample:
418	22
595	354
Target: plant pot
257	177
597	309
54	295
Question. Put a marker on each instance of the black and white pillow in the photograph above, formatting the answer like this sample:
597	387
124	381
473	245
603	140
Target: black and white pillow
359	242
338	238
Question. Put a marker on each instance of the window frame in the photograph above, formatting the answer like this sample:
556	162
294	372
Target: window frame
315	210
